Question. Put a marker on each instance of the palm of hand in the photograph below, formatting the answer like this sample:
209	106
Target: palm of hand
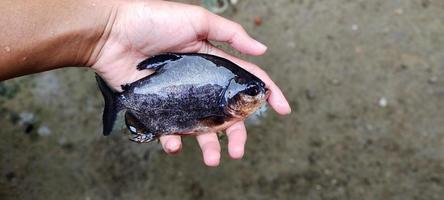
142	29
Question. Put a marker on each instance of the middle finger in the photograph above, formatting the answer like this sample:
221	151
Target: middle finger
209	143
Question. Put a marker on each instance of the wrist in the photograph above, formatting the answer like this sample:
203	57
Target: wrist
98	34
87	29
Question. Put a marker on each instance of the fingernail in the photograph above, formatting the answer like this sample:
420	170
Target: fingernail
237	152
285	106
281	104
172	146
261	46
211	158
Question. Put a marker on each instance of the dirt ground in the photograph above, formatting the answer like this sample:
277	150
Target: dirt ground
365	80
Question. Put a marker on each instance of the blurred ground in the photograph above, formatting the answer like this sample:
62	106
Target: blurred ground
366	82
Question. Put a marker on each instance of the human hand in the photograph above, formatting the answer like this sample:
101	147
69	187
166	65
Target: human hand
139	29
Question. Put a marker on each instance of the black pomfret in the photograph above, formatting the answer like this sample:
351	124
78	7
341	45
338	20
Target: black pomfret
187	94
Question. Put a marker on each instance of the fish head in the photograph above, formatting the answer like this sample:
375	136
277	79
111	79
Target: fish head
244	96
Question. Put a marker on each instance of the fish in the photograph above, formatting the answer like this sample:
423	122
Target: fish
187	94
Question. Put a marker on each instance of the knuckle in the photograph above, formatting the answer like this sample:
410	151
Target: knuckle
200	12
238	27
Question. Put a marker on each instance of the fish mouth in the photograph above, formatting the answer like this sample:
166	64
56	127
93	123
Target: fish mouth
267	93
264	95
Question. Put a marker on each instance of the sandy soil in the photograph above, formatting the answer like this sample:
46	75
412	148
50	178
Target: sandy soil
366	82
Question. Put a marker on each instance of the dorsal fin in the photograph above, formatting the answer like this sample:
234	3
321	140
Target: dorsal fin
158	61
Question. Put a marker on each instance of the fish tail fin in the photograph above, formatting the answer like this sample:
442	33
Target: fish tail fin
112	105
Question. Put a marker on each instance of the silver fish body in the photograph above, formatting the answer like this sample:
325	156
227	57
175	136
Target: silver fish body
187	94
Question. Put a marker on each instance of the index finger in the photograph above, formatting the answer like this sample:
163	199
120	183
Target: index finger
277	99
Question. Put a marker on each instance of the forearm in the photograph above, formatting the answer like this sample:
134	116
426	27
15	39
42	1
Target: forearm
41	35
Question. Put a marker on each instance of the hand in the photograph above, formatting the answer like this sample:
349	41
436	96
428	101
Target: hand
144	28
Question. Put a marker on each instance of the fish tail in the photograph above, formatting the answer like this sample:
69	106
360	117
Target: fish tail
112	105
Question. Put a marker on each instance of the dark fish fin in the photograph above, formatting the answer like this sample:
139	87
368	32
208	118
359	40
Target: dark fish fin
112	105
139	132
158	61
125	87
213	120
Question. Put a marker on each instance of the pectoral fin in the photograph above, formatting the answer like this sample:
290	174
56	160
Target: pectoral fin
139	133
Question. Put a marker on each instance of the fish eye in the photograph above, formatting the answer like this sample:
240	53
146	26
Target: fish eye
252	91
